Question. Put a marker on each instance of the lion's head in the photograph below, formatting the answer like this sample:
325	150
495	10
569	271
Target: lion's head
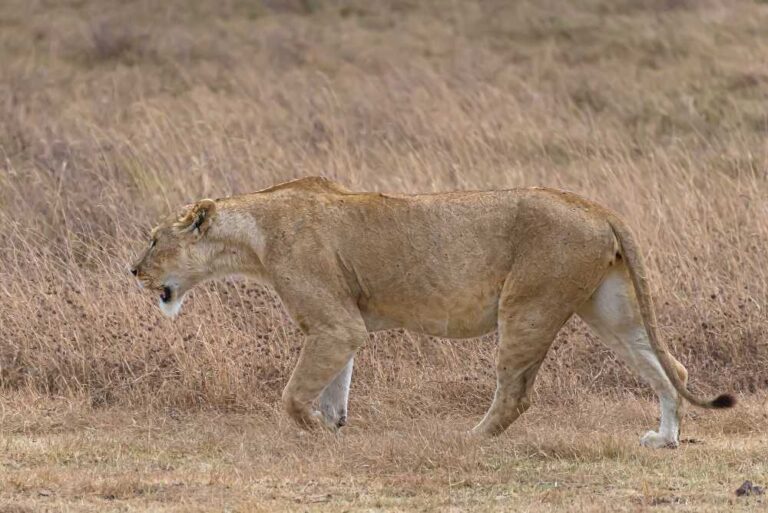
179	255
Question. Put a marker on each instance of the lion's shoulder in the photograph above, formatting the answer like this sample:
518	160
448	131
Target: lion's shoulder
309	184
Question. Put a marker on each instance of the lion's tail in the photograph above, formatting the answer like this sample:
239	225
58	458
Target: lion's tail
634	262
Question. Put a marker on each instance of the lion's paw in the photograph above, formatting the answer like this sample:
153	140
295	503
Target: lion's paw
654	440
329	423
333	417
476	432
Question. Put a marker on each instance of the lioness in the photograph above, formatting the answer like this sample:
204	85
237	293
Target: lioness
455	265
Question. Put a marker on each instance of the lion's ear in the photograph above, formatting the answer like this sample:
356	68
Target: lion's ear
198	218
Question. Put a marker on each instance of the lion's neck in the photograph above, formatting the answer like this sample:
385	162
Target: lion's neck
238	245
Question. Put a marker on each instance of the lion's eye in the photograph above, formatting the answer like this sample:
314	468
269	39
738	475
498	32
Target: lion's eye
152	243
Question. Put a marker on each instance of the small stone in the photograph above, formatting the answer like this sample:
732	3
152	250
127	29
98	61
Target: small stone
747	488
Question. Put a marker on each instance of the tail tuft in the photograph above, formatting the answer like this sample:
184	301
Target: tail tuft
723	401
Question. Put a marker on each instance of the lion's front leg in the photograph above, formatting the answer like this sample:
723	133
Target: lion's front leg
334	400
325	360
319	301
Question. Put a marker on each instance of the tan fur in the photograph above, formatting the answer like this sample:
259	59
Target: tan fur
452	265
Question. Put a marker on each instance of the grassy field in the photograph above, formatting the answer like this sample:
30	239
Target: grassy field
60	455
114	113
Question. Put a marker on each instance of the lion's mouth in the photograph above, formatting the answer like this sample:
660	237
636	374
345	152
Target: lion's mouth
171	298
166	295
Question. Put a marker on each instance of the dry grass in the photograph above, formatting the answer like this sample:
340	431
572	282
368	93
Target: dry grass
65	456
115	112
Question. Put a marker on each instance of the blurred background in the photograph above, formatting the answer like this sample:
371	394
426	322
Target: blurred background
115	113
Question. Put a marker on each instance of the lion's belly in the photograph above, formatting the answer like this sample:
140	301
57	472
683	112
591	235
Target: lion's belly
447	317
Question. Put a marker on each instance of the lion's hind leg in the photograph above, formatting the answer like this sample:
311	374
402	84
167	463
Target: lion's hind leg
528	323
612	312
